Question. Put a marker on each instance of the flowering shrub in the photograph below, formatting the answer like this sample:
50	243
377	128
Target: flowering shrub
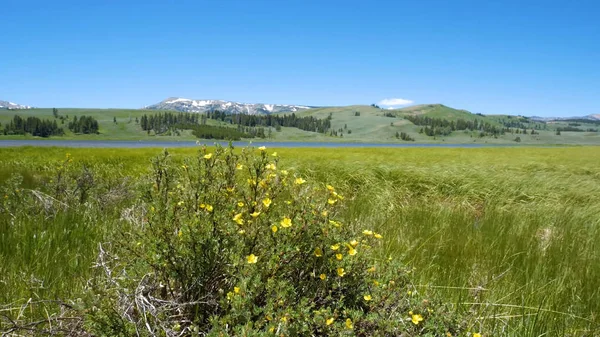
228	243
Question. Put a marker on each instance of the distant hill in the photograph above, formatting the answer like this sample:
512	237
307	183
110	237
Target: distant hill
355	123
194	105
11	105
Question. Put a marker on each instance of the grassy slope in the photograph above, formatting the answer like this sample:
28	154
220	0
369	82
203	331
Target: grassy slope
370	126
512	231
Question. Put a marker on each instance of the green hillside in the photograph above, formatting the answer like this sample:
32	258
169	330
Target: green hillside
356	123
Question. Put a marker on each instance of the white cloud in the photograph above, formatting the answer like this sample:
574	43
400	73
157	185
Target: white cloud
395	102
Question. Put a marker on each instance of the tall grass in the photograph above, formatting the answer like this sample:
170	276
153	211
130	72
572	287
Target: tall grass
509	236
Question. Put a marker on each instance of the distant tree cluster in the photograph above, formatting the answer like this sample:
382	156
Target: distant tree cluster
574	129
404	136
162	122
308	123
582	121
443	127
85	125
34	126
219	132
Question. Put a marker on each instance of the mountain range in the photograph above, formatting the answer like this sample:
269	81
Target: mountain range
11	105
208	105
230	107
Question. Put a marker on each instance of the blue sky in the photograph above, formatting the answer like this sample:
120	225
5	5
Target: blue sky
514	57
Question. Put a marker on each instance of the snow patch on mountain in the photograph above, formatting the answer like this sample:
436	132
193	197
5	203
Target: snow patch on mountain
12	106
229	107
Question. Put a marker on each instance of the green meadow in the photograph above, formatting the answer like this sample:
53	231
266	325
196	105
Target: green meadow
356	124
507	238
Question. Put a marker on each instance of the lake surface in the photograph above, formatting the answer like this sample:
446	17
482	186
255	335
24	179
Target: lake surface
163	144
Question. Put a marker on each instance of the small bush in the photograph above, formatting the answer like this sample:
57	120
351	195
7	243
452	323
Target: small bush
229	244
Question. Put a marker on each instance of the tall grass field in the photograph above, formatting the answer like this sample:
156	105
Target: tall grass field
504	241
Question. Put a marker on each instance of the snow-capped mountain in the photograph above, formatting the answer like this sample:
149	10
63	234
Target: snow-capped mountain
592	117
193	105
11	105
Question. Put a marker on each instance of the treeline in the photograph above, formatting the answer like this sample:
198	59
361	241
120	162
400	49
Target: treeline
247	126
574	129
582	121
161	122
219	132
84	124
308	123
34	126
168	121
443	127
404	136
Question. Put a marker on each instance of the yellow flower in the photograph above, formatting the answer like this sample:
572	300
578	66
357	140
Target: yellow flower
266	202
274	154
286	222
371	270
341	272
354	243
236	290
318	252
240	204
351	251
208	156
239	166
323	277
255	214
334	223
330	188
238	219
288	202
367	232
252	258
416	318
262	148
377	236
331	201
180	233
335	247
251	182
367	297
338	256
477	334
349	323
324	213
376	283
330	321
229	295
209	208
242	232
263	184
274	229
270	167
284	172
299	181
